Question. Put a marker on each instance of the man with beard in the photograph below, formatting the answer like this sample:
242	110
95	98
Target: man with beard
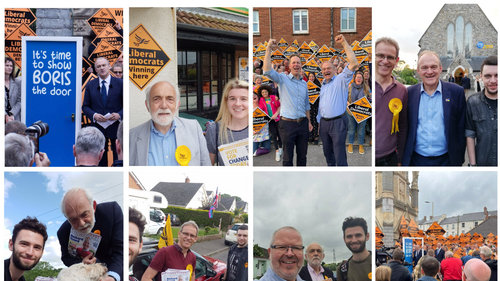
295	123
481	123
136	225
237	257
359	265
177	256
332	107
104	96
27	244
286	255
436	118
313	271
84	215
166	139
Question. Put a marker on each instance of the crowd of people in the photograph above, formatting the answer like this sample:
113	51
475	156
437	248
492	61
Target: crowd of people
297	122
433	122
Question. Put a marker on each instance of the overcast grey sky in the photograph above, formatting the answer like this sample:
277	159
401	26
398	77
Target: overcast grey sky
456	193
316	203
407	23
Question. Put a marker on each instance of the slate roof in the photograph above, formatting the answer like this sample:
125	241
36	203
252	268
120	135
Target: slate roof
225	203
477	216
429	221
486	227
177	193
211	22
475	62
240	204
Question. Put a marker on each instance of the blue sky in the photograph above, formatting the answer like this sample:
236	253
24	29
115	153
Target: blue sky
40	195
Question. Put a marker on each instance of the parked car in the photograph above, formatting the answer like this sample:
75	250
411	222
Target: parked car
207	268
231	234
174	219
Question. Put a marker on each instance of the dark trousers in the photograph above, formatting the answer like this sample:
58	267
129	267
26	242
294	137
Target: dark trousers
294	134
333	134
419	160
389	160
275	135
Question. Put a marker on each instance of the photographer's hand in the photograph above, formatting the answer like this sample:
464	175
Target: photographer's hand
42	160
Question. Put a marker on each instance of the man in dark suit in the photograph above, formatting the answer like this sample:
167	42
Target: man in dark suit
466	84
451	79
313	270
436	118
85	216
103	104
439	252
417	254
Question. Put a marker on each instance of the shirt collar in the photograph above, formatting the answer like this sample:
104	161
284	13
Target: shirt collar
108	80
154	130
178	248
290	75
321	269
438	89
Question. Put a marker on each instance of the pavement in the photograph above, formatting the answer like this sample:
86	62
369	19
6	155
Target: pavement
210	248
315	156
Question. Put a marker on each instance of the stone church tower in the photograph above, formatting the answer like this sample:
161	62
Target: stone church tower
463	37
394	198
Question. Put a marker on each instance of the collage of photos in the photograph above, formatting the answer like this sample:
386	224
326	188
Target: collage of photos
415	196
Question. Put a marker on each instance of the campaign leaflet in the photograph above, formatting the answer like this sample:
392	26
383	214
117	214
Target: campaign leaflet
235	153
175	275
81	245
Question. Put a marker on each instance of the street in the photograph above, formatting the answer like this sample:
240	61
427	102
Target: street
214	248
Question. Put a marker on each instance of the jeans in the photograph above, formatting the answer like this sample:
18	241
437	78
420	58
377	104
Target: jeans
265	144
353	126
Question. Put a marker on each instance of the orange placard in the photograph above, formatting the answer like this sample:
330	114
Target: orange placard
282	44
117	14
13	43
295	44
101	19
435	229
260	52
146	57
324	54
110	35
15	17
359	52
362	110
313	90
313	46
277	56
290	51
104	49
311	66
366	43
306	51
260	119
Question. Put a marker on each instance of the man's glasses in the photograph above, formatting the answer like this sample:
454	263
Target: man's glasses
282	248
382	57
187	234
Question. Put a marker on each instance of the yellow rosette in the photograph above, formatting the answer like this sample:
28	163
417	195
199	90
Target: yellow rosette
190	268
183	155
395	106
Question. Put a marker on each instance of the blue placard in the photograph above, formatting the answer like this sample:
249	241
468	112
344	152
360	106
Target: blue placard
480	45
408	249
52	92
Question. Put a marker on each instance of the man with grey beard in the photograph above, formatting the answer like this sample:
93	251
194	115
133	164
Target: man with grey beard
166	139
313	271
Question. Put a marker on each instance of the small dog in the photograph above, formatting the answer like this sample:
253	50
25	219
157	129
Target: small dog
83	272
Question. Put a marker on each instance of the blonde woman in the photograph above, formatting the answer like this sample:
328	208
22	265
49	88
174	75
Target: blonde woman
383	273
231	124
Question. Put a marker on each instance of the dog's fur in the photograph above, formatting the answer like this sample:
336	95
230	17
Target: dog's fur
83	272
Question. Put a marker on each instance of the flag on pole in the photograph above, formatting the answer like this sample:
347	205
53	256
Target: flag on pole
166	238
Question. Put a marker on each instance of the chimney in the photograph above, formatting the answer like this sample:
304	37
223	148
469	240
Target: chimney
187	180
430	217
425	218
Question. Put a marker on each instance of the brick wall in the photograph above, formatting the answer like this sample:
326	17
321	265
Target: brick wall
320	30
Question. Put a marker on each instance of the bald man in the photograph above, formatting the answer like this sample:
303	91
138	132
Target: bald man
313	271
156	142
476	270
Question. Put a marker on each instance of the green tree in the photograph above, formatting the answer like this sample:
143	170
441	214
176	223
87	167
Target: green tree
257	251
44	269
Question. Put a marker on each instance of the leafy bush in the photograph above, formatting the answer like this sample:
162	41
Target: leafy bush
201	217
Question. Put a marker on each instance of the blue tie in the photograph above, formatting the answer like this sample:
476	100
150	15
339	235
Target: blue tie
104	93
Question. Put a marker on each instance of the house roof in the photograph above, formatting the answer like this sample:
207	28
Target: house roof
477	216
486	227
240	204
225	203
178	193
430	221
475	62
211	22
209	192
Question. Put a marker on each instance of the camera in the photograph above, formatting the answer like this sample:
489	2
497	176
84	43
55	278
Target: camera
35	131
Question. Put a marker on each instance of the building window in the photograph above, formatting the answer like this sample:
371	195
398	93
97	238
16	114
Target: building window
348	19
463	224
449	45
459	35
300	21
447	226
256	27
468	40
452	226
476	223
187	69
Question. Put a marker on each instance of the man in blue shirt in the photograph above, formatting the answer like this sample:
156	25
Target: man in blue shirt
436	118
294	126
333	103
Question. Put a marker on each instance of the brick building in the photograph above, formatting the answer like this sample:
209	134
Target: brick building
320	25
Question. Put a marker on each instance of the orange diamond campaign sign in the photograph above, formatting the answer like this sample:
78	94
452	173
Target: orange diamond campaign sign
104	49
146	57
118	15
435	229
13	43
366	43
110	35
313	91
100	20
362	110
260	52
260	119
15	17
359	52
282	44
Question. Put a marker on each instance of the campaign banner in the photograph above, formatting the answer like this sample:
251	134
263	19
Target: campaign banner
408	250
306	50
106	50
282	44
235	153
260	52
13	43
110	35
366	42
360	110
295	44
51	88
290	51
101	19
313	91
15	17
260	119
277	56
311	66
313	46
324	54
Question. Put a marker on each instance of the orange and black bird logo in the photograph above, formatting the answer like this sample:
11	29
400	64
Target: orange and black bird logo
140	41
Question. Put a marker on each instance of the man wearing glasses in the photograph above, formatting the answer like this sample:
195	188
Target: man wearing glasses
391	99
359	265
177	256
314	271
286	254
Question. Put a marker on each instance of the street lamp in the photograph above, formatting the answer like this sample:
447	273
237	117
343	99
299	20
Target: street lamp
432	207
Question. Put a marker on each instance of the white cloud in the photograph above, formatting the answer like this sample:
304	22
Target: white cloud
7	234
52	252
54	182
7	185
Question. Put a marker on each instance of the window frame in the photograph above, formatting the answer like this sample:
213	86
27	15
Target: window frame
255	22
300	24
355	19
